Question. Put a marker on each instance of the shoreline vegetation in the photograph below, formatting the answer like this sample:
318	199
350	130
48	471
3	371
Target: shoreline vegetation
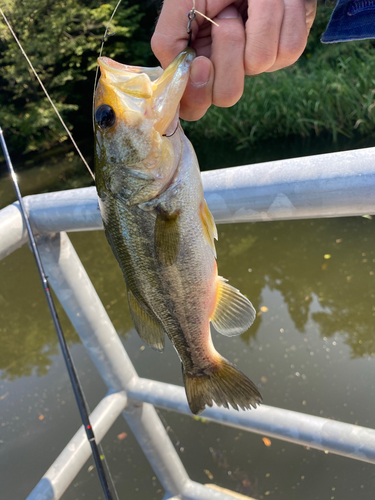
329	93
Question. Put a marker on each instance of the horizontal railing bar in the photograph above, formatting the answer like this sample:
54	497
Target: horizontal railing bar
197	491
329	185
70	461
320	433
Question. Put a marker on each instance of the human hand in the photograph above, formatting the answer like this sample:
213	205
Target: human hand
253	36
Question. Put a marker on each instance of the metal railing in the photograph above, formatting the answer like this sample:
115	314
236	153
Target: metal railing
330	185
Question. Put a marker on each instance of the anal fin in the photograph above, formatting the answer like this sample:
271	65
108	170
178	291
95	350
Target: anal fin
148	328
234	313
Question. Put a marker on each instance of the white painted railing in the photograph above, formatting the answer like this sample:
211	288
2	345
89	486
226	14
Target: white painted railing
332	185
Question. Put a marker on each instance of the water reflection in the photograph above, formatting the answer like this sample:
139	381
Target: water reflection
332	259
328	262
28	338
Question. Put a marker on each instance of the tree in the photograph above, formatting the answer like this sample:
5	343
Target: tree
62	39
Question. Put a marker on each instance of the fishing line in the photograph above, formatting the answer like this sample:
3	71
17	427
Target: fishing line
106	35
79	394
77	389
191	16
46	93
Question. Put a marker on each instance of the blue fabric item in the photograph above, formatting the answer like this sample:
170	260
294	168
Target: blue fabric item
351	20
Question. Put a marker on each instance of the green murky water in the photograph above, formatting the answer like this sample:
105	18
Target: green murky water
311	349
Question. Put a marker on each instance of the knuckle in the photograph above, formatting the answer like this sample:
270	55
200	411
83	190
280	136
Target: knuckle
155	44
192	115
227	98
194	104
290	51
158	46
230	34
162	49
259	62
260	55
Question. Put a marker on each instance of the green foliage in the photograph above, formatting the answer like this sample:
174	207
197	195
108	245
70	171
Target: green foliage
331	89
62	39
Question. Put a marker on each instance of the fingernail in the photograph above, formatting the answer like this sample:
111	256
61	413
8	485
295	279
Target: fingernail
228	13
200	72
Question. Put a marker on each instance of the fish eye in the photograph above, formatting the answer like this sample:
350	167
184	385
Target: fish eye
105	117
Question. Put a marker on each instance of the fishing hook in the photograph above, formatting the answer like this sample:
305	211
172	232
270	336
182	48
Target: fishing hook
191	16
175	130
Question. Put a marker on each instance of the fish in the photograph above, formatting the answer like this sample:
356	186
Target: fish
161	230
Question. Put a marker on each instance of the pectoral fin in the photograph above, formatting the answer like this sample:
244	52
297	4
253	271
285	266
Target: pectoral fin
209	227
148	328
167	237
210	220
234	313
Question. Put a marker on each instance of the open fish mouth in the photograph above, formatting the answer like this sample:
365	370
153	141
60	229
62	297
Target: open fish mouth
153	92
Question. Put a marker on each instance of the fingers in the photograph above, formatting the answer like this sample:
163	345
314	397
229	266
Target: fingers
276	33
273	37
310	6
263	28
227	56
293	34
170	36
218	80
198	94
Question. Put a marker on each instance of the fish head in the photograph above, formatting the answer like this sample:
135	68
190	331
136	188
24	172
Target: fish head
134	108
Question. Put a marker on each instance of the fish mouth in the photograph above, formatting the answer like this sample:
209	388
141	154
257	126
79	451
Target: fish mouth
131	80
108	64
160	91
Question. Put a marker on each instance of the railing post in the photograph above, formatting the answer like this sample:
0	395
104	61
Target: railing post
78	297
73	457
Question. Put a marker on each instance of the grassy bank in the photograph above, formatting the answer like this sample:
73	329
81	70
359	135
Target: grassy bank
330	90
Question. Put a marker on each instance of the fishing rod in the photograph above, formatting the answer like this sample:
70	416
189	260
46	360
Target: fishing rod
77	389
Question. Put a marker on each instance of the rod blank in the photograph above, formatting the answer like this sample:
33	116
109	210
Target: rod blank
76	386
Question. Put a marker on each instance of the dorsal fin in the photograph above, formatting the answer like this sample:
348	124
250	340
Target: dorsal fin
148	328
234	313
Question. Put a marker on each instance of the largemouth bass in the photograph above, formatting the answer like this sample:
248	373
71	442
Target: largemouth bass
161	230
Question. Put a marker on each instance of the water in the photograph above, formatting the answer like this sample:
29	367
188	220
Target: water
311	349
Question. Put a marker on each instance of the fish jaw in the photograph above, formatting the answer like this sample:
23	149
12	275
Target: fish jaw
169	88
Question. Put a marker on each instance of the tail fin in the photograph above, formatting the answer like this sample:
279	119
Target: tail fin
225	385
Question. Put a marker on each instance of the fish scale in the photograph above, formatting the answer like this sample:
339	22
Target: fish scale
161	230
